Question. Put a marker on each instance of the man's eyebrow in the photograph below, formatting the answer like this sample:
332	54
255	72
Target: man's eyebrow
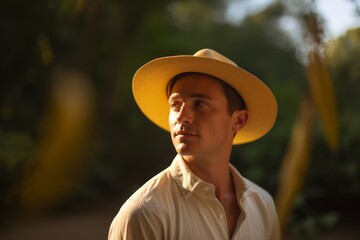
174	96
199	95
194	95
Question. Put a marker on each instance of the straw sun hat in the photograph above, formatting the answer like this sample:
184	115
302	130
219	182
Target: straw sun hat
150	83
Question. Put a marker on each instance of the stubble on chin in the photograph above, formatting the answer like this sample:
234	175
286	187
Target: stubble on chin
182	149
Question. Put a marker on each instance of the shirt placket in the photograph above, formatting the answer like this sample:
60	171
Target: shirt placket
217	208
241	231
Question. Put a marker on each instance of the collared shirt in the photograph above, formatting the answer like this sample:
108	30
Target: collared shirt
176	204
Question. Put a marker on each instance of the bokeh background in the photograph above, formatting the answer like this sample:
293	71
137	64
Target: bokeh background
74	145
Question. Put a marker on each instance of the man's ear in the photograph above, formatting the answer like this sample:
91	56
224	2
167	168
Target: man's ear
240	118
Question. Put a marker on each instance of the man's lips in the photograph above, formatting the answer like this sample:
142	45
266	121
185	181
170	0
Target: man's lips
184	133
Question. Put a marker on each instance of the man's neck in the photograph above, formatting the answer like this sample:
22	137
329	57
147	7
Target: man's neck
216	172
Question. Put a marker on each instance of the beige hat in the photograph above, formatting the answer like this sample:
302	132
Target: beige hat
150	83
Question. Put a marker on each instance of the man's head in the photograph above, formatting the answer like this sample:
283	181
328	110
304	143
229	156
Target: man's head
199	117
151	83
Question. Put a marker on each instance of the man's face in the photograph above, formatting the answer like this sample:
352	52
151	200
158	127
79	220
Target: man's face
200	124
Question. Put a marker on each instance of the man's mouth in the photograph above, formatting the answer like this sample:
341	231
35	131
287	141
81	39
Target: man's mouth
184	133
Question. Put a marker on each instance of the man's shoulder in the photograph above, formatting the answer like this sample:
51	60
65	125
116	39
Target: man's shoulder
153	186
254	189
153	194
143	209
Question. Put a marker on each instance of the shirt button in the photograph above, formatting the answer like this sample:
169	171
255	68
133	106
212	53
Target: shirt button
206	189
221	216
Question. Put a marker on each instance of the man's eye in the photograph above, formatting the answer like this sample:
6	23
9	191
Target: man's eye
199	103
175	105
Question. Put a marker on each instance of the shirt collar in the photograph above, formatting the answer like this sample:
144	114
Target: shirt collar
184	178
241	184
187	181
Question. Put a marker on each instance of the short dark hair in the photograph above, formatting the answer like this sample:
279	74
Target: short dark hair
234	99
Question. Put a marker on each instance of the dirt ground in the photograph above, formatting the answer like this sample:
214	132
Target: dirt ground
93	224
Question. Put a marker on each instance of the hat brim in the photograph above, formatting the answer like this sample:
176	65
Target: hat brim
150	83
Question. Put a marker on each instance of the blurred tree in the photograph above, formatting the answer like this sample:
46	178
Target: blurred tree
344	59
23	87
331	186
327	165
322	99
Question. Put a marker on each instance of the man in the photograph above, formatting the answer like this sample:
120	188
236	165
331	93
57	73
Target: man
208	104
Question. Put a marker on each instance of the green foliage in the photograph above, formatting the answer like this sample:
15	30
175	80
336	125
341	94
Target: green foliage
308	228
16	149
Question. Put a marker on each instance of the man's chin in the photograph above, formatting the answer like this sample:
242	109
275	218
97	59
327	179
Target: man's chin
183	149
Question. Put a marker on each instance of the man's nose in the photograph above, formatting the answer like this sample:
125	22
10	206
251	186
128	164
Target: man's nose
185	114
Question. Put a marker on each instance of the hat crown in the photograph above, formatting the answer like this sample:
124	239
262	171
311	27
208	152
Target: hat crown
209	53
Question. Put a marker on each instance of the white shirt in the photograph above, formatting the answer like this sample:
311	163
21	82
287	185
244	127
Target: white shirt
176	204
